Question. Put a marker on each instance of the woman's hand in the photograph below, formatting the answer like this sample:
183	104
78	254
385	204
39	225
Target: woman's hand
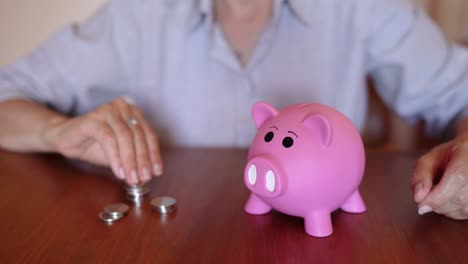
440	179
116	135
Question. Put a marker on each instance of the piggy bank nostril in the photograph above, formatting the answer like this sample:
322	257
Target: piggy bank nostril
252	174
270	181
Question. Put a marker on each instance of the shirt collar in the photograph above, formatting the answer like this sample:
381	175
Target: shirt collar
299	9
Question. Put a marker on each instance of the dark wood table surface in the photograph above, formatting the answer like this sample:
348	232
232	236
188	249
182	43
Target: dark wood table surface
49	209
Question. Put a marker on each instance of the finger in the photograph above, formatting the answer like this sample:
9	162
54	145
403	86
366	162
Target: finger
128	99
453	180
104	135
152	143
142	154
143	169
425	172
125	140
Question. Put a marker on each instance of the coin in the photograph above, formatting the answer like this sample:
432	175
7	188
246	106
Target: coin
137	193
164	204
105	217
116	209
136	186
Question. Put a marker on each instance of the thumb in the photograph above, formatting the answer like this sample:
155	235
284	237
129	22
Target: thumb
425	173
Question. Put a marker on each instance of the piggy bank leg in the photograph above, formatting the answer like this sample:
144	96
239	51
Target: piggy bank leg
354	204
318	224
256	206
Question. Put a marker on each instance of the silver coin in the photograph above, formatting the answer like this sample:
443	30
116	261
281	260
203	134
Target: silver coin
116	209
136	199
136	187
137	195
141	193
105	217
163	204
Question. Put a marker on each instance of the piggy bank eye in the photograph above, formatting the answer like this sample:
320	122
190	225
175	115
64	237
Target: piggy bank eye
288	142
269	136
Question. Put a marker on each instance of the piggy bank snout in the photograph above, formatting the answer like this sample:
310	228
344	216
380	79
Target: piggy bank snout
264	176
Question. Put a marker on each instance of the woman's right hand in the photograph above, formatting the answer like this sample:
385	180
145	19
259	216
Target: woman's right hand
107	136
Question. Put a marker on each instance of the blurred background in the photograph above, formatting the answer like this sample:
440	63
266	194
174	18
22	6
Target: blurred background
24	24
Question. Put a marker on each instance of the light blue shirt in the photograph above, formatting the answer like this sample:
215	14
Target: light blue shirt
172	58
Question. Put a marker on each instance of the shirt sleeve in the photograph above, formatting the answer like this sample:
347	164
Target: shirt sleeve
418	73
78	68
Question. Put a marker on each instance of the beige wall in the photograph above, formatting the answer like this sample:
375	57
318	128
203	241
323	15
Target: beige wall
452	16
24	24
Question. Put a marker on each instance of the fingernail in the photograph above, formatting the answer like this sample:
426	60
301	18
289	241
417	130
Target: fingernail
418	192
424	209
157	169
146	174
121	174
134	177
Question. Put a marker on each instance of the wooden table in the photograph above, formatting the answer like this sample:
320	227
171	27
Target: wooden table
49	211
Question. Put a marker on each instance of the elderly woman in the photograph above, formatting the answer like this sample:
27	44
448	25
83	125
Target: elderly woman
193	68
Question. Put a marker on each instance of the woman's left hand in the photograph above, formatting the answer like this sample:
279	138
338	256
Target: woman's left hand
440	179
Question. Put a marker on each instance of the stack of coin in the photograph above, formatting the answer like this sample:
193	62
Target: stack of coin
137	193
113	212
164	204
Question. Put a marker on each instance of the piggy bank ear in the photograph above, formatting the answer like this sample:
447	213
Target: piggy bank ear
261	112
321	125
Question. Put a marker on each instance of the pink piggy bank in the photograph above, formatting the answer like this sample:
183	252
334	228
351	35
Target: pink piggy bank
306	160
